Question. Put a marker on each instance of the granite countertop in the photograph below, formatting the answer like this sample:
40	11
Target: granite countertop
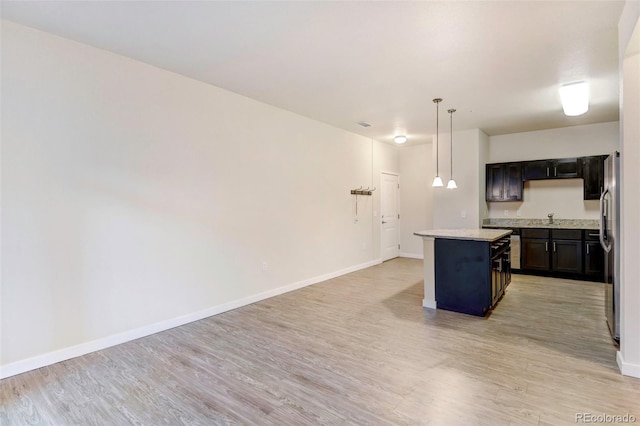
465	234
542	223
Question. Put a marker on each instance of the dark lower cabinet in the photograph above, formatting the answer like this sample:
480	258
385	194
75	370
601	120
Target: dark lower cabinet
562	252
593	256
535	254
566	256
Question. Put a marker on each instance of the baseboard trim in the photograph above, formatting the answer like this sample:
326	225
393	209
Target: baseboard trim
627	369
54	357
431	304
412	255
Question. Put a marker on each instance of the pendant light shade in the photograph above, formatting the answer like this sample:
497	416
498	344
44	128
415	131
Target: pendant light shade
452	183
438	180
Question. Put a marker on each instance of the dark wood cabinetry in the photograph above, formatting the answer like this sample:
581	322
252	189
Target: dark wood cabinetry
535	250
593	175
566	250
593	256
504	182
562	168
572	253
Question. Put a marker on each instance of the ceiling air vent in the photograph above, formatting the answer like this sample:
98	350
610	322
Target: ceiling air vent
363	124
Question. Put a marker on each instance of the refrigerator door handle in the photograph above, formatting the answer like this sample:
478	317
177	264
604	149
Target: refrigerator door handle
605	246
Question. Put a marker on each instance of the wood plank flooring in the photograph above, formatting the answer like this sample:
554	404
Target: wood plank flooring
355	350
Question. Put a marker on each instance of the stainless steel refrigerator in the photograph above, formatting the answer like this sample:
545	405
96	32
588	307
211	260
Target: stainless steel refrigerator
610	241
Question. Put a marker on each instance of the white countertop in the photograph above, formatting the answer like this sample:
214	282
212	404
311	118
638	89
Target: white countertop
465	234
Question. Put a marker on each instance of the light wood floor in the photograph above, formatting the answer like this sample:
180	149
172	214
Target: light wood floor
358	349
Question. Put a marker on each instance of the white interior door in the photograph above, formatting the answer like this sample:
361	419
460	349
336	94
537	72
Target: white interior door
389	228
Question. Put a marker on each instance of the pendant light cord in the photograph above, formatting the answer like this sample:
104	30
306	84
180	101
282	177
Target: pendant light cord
451	111
437	102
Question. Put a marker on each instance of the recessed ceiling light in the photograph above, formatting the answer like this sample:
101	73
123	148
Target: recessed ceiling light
400	139
363	124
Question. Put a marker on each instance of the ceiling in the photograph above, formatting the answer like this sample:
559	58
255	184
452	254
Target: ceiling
498	63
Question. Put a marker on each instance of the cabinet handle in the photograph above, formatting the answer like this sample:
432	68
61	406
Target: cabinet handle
554	246
587	248
547	172
555	171
546	246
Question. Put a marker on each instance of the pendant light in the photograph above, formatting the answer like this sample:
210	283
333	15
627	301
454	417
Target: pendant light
437	181
452	183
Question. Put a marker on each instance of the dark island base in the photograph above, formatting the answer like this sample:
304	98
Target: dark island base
471	276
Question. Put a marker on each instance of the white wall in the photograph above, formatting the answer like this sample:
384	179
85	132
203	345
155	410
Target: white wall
629	45
415	196
136	199
449	206
563	197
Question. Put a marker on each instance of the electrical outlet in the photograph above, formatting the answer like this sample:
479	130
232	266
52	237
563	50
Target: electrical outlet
518	213
265	266
506	213
463	214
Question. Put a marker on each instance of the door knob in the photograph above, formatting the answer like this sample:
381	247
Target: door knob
384	221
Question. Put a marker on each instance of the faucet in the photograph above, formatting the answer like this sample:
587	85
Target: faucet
550	216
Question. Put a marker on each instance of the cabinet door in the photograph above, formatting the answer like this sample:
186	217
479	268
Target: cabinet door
539	169
512	182
565	168
495	182
567	256
535	254
593	175
593	259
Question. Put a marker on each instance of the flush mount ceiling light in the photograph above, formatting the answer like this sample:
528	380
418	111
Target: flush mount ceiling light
437	181
452	183
574	98
400	139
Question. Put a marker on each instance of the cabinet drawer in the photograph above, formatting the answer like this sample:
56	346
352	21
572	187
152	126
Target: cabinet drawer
566	234
591	235
534	233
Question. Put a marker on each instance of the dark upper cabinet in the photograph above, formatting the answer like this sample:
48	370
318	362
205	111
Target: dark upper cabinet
534	170
562	168
504	182
593	175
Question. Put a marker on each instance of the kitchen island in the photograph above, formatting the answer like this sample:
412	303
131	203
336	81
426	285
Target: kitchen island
465	270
